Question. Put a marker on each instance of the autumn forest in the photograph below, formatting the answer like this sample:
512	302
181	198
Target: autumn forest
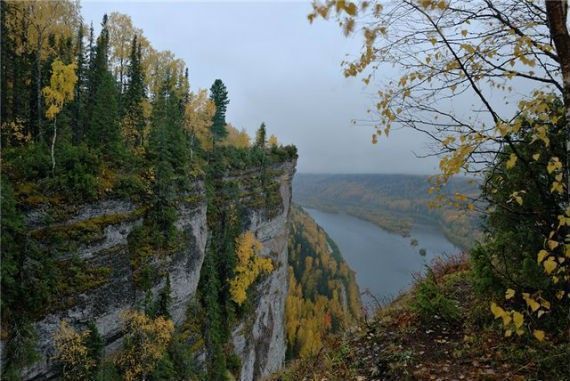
155	230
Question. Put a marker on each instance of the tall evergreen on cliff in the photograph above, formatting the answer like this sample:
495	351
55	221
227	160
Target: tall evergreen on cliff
219	95
78	103
103	109
135	94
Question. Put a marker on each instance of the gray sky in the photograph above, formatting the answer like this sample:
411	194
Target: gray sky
279	69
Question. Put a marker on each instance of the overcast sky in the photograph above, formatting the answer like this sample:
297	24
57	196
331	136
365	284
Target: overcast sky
279	69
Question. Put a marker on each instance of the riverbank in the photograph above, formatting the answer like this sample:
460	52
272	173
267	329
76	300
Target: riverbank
395	203
398	223
384	262
439	330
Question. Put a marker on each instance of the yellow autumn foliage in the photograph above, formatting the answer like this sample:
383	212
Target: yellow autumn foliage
145	342
249	266
61	87
72	352
236	138
272	141
198	118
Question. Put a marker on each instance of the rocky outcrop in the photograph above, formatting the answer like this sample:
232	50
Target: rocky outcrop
258	340
104	305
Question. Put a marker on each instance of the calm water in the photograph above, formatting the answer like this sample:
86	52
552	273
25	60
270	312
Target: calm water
384	262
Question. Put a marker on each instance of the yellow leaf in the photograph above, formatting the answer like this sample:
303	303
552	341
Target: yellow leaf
553	165
512	161
518	319
549	265
533	304
536	156
552	244
351	9
509	293
497	311
538	334
541	255
508	333
560	294
506	319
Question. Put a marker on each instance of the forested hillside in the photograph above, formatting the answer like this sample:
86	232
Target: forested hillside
135	219
395	202
323	296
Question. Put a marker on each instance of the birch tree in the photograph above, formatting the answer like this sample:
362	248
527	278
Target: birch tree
60	91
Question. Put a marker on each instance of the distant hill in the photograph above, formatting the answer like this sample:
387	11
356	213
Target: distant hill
393	202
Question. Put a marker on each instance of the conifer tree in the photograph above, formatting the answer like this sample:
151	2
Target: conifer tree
261	136
219	95
77	106
103	127
168	152
135	95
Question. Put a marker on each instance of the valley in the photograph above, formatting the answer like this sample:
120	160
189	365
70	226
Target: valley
385	263
393	202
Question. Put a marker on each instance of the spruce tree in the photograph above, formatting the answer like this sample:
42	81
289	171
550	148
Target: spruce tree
219	95
167	150
77	105
261	136
135	94
103	127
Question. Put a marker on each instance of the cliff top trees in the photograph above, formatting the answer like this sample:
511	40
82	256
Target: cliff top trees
121	39
133	100
103	108
261	136
219	95
272	141
236	138
30	26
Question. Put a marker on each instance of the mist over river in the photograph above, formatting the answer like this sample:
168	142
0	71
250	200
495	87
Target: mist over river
384	262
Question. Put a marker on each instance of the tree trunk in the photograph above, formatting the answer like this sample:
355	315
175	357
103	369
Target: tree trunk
557	12
53	145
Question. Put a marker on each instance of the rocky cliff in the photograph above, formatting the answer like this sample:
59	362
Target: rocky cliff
260	342
95	238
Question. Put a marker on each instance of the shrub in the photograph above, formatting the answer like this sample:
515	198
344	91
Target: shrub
430	301
76	173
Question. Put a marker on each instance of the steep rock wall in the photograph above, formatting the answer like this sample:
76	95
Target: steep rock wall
104	305
259	340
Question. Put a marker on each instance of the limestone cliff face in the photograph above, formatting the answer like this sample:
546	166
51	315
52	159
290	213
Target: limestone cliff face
103	305
258	340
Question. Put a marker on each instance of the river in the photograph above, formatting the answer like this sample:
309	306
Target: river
384	262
